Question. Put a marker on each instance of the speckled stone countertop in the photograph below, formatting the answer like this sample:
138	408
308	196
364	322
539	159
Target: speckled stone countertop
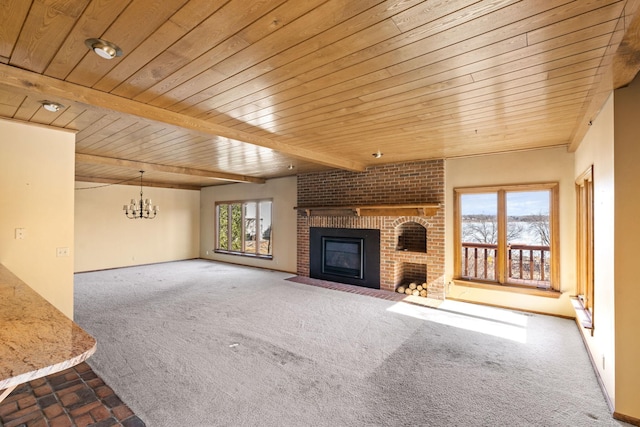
36	339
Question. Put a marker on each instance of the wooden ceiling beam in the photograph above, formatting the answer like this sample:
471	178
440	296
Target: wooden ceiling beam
110	161
136	182
45	86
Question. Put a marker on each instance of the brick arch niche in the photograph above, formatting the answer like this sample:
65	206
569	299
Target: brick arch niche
411	236
418	255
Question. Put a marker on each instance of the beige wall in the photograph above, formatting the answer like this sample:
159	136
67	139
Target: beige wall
596	150
611	147
548	165
36	193
626	237
283	191
105	238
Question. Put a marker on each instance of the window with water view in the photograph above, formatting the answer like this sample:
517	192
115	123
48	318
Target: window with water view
505	235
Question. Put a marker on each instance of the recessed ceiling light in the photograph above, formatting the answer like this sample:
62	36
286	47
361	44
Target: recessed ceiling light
51	106
103	48
290	167
377	154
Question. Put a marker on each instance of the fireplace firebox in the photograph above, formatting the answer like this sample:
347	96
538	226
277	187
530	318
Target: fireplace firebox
344	255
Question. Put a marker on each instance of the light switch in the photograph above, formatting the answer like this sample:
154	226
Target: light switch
20	233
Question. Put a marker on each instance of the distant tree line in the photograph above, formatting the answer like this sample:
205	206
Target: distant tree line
480	228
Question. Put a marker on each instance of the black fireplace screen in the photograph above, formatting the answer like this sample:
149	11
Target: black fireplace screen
345	255
342	256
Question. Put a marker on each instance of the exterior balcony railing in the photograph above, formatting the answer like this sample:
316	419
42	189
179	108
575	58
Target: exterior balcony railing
526	264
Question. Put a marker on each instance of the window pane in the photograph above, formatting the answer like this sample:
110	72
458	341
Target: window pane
479	235
223	224
528	236
250	227
528	217
479	218
236	227
265	228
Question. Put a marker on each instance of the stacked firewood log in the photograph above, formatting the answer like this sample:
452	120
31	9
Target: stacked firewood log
414	289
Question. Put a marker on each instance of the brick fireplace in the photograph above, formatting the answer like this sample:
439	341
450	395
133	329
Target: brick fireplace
411	243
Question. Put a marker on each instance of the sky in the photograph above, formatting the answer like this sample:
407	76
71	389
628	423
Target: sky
518	203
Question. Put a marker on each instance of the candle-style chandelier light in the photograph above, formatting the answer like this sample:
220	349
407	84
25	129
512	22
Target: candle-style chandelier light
141	208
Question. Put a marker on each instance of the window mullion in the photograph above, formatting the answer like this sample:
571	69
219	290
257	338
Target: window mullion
502	258
258	229
229	225
243	228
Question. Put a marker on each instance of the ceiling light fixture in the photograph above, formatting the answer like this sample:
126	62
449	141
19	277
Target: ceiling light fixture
377	154
103	48
52	106
290	167
141	208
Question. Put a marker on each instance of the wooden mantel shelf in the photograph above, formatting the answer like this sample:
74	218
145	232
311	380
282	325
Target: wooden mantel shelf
423	209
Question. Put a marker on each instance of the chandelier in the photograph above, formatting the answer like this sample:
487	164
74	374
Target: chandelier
141	208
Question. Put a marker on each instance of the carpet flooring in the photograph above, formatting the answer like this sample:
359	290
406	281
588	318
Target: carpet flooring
200	343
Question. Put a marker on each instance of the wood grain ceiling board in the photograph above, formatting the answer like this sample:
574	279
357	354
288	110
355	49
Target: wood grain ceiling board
417	86
247	88
198	71
427	43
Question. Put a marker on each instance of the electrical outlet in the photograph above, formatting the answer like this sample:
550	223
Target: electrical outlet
60	252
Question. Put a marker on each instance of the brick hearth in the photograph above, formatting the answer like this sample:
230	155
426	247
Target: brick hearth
392	184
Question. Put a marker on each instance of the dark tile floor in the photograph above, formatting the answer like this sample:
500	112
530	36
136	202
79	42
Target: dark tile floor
75	397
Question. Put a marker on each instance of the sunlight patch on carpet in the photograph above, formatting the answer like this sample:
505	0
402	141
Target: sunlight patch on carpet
485	320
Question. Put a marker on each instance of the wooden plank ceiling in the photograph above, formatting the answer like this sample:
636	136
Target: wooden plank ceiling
210	92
